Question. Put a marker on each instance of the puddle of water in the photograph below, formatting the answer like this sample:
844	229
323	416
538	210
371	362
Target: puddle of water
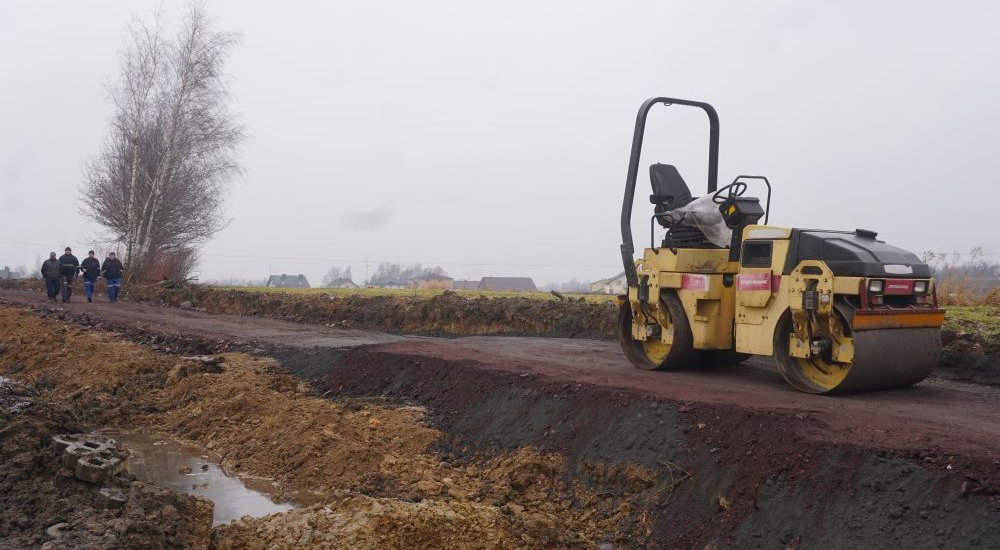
186	469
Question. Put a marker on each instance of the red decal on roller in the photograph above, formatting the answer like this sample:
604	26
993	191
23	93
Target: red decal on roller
694	282
898	286
753	281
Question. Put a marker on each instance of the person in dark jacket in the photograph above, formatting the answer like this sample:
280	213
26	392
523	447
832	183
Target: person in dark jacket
70	267
91	269
112	270
52	274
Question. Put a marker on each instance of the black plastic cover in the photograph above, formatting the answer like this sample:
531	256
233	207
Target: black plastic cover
850	254
669	188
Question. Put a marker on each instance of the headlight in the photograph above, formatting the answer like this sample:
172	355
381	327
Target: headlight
875	286
919	287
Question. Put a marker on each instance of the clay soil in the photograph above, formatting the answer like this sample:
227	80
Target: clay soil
370	468
400	441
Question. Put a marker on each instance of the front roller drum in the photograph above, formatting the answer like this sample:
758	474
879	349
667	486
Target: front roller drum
654	354
883	359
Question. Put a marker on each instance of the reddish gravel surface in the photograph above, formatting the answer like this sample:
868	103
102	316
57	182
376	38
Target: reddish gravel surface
935	414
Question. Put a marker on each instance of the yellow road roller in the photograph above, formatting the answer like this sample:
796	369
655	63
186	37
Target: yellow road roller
840	311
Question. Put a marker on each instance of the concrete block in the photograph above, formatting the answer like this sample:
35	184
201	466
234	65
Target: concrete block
96	469
61	442
90	458
73	454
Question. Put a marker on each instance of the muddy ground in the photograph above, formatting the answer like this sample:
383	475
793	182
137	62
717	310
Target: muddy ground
404	442
371	468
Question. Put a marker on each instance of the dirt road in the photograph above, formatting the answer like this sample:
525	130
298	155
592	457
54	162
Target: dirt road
937	413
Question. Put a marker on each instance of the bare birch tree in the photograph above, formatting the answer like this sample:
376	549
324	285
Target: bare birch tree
159	182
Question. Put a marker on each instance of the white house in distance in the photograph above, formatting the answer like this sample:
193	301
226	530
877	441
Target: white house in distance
287	281
613	285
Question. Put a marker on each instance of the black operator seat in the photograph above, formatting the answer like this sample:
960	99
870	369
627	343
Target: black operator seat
669	190
669	193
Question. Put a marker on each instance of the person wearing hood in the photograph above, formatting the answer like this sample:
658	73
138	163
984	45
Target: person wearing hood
91	270
52	274
70	267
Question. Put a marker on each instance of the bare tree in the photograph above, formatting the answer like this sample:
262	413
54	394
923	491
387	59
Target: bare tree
159	183
335	274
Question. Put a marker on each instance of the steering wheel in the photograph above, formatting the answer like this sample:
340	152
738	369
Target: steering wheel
735	189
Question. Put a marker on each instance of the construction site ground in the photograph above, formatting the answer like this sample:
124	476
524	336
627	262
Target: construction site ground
388	439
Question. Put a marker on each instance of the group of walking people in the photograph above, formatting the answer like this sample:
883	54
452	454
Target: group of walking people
60	273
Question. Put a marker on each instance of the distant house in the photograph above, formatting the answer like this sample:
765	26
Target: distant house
613	285
465	285
6	273
393	284
287	281
342	283
508	284
432	282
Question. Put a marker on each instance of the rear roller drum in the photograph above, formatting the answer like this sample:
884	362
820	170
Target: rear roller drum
654	354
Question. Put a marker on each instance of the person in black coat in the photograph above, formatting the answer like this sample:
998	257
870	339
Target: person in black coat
112	270
91	269
52	274
70	266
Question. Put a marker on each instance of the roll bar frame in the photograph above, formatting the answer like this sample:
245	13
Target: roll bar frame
627	247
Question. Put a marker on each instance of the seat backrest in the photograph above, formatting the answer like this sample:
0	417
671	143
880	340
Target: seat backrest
669	189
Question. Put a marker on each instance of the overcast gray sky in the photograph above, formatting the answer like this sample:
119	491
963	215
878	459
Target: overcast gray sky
492	137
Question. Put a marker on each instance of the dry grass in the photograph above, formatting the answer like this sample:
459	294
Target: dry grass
961	289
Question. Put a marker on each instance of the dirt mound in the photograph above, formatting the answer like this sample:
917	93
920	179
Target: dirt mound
505	457
365	522
446	313
368	458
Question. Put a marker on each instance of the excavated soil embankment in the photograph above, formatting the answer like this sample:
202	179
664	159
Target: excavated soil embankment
370	470
741	478
443	314
414	451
